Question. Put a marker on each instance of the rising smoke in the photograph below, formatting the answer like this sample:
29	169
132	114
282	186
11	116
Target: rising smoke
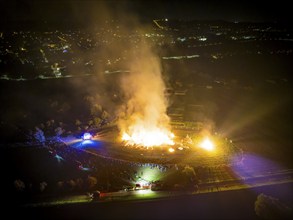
145	102
125	47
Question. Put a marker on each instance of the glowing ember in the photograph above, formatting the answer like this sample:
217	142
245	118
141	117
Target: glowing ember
148	138
207	145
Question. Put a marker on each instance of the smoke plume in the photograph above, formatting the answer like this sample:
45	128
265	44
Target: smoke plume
124	48
143	88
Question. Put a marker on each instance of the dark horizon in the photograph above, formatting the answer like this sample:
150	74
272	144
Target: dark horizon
92	11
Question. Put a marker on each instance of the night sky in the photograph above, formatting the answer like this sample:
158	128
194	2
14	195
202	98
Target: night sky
83	10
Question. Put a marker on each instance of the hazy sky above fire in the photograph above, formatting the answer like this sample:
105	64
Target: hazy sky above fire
82	11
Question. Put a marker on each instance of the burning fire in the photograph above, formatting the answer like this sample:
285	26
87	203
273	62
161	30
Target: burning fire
148	137
143	118
207	144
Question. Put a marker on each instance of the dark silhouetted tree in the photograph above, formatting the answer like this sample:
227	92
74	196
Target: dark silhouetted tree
91	182
267	207
43	186
39	135
19	185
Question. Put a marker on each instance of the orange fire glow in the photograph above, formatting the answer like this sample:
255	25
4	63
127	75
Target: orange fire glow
207	144
148	137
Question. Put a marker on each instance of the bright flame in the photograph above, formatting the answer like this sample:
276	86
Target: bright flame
148	138
207	144
171	150
143	119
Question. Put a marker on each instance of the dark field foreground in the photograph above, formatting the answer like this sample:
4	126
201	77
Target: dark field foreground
238	204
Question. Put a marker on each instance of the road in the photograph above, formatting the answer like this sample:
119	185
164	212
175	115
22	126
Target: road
147	194
230	204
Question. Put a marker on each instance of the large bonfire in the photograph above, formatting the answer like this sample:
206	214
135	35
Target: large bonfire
148	137
143	120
